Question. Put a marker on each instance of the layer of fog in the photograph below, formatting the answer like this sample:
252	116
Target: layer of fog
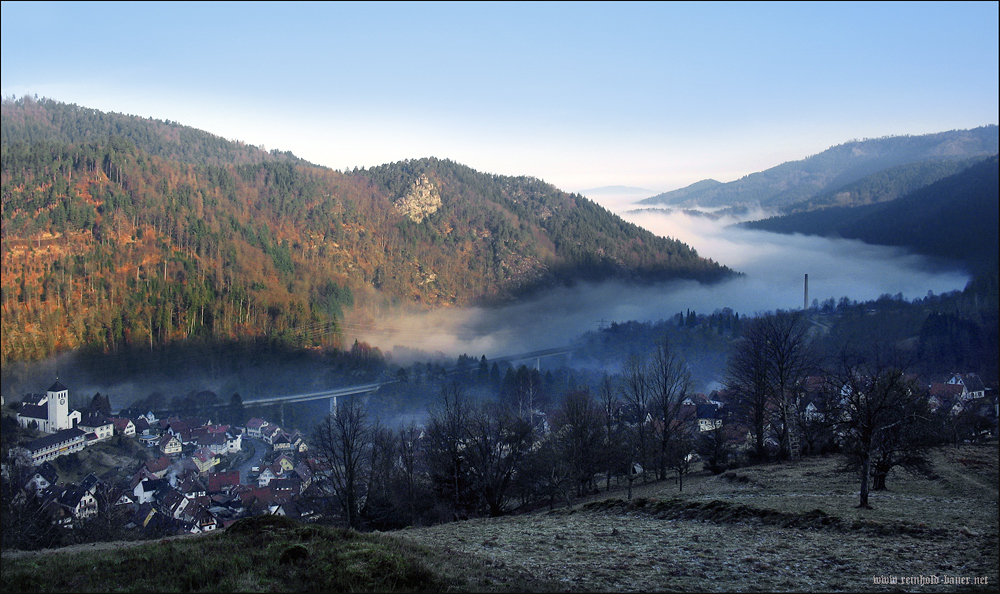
773	266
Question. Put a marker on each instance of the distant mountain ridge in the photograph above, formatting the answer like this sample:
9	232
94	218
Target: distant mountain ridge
615	190
955	218
841	165
119	230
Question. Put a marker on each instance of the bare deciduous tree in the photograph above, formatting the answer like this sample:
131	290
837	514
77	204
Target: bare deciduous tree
790	360
578	424
637	398
764	370
408	437
446	433
746	377
669	382
612	453
344	441
876	405
497	444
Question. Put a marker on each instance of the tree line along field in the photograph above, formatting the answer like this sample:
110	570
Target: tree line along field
789	526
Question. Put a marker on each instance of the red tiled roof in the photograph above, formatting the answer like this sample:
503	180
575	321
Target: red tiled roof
217	481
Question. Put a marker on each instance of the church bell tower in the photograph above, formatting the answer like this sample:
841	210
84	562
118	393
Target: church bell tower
58	401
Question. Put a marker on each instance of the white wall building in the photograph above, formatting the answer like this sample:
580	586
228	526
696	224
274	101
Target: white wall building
51	414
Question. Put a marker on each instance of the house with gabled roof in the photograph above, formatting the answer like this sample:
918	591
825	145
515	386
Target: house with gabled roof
139	476
146	489
234	441
259	495
144	515
142	426
941	395
973	387
304	474
191	487
33	399
171	502
213	441
319	468
204	458
124	499
254	427
709	417
169	445
98	424
204	520
179	428
90	483
54	512
285	489
269	433
281	442
266	476
123	426
45	475
285	462
297	509
78	501
158	466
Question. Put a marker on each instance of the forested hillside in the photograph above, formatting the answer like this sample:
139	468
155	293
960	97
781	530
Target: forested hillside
954	218
886	185
121	231
830	171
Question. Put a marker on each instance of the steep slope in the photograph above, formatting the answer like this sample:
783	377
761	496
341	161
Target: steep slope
139	238
954	218
834	168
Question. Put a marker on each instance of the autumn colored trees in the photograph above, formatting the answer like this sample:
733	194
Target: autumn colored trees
120	231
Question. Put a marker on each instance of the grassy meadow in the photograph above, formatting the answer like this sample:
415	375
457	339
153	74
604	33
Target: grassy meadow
777	527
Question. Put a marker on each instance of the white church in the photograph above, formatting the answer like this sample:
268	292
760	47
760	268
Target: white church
50	411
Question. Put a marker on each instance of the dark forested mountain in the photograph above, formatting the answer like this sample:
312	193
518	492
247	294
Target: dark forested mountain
120	231
827	174
45	120
886	185
954	218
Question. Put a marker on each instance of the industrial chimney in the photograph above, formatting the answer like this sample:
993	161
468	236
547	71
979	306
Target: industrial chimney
805	297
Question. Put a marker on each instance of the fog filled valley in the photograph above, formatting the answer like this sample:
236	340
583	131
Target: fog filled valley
772	271
419	376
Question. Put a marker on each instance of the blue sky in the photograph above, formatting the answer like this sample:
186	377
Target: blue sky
582	95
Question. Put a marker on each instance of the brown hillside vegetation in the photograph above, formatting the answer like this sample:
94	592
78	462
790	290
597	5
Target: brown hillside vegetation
121	232
779	527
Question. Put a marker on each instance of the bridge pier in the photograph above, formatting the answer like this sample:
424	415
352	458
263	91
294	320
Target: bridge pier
333	405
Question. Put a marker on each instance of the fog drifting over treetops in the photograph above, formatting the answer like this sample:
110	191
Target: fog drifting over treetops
773	266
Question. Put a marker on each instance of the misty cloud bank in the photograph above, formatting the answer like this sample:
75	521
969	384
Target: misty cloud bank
773	265
774	268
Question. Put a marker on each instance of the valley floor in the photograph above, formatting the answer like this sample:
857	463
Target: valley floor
785	527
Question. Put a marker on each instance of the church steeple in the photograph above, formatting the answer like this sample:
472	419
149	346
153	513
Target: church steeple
58	404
